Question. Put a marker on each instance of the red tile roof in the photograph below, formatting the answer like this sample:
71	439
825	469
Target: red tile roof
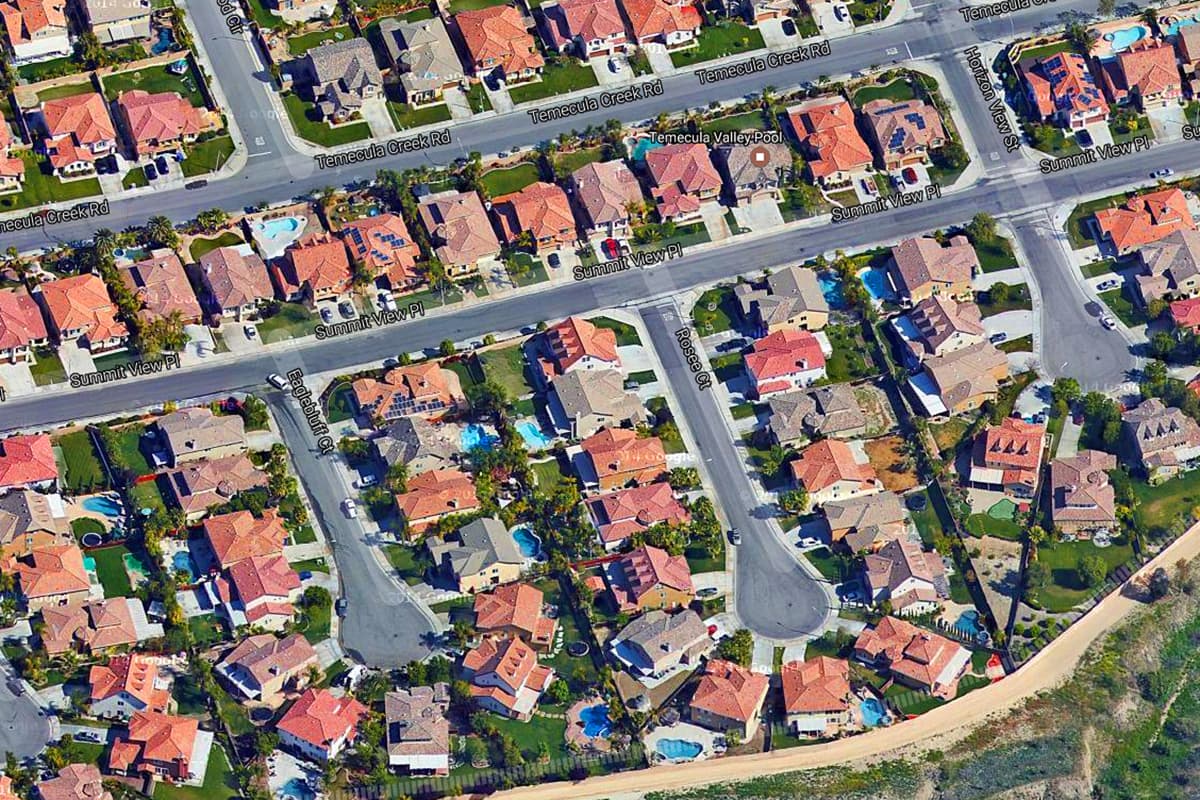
517	606
510	660
912	652
20	320
819	685
592	19
575	338
81	302
1186	313
658	18
50	571
317	263
240	535
784	353
1014	446
437	493
160	282
320	719
428	385
25	18
498	34
923	260
647	568
161	117
90	626
27	459
540	208
155	737
74	782
730	691
459	226
235	280
1062	82
617	451
135	674
83	116
687	167
621	514
825	126
384	245
828	462
1145	219
1149	66
263	576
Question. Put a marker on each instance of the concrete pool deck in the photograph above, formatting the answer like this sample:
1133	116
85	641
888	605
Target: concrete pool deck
574	732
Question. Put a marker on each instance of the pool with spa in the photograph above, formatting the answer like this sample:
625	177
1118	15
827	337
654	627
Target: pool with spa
476	436
102	505
532	435
873	713
641	147
969	624
875	281
596	722
182	561
527	541
678	749
831	288
1121	40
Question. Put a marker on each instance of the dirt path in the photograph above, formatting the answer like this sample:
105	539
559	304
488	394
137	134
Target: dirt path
947	723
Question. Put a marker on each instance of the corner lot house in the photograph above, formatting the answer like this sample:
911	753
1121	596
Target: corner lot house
126	685
423	55
816	696
1143	75
162	746
575	344
427	390
671	23
162	122
1170	267
195	433
913	656
312	269
319	726
729	698
604	193
50	576
236	282
921	268
784	360
515	610
617	457
903	133
830	470
79	308
1160	438
342	75
161	284
497	42
27	462
649	578
584	28
263	667
836	152
582	402
35	30
619	515
22	327
683	177
459	229
900	573
542	211
1063	90
789	298
117	20
484	555
506	678
432	496
418	733
657	643
1144	219
78	132
1081	498
824	411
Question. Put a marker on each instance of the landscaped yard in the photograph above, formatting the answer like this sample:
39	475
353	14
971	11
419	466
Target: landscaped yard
949	434
110	570
478	99
1022	345
898	90
525	270
717	41
472	5
308	123
715	311
405	116
1078	225
207	156
829	565
47	368
410	563
125	450
84	473
1097	268
559	77
318	619
68	90
1018	300
751	120
147	495
1124	308
1159	506
39	71
155	80
566	163
219	782
892	464
929	524
513	179
339	406
311	565
626	333
987	525
995	255
299	45
42	188
292	322
264	17
506	367
850	359
1065	589
206	630
202	247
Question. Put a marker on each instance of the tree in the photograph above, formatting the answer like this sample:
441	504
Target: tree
683	478
738	648
254	412
89	51
1091	570
794	501
1160	583
982	227
161	231
447	348
1037	575
212	220
773	460
1065	390
559	692
999	292
1105	8
1081	37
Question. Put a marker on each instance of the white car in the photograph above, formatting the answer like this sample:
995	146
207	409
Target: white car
250	331
1108	322
276	380
350	507
1162	174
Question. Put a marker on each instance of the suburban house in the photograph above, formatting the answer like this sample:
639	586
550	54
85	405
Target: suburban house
922	267
913	656
432	496
1081	498
1160	438
1185	314
821	412
816	696
384	247
585	28
22	327
540	210
35	30
161	122
1143	75
751	173
423	55
1187	42
79	131
161	284
729	698
961	380
263	667
117	20
604	193
830	470
300	10
515	610
485	555
418	444
12	167
259	591
1008	457
1170	267
318	726
79	308
1062	90
418	733
619	515
682	177
900	573
239	535
459	229
582	402
199	485
506	678
1144	219
126	685
574	344
829	139
159	745
903	133
50	576
342	75
313	268
789	298
671	23
937	325
784	360
74	782
428	390
236	282
866	522
29	519
95	626
649	578
616	457
497	41
27	462
195	433
657	643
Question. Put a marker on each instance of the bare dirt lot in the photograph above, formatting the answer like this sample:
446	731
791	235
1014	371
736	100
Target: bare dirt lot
894	467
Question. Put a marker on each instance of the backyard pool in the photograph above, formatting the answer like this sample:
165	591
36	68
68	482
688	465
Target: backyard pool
968	623
164	43
134	565
678	749
182	562
595	721
641	147
875	281
273	229
873	713
831	287
102	505
1125	38
527	541
132	253
89	563
297	789
474	436
533	436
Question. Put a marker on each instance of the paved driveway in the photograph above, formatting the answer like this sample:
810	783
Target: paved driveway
75	360
761	215
1167	123
375	112
1014	323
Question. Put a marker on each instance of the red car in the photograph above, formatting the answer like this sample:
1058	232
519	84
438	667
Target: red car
910	175
612	248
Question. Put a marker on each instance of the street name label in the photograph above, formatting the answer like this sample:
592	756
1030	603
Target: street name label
585	105
931	192
311	410
134	369
976	13
368	321
702	376
392	147
642	260
53	216
983	80
804	52
1102	152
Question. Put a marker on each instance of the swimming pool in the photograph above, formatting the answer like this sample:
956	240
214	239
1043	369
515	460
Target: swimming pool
1126	37
297	789
873	713
533	436
831	288
102	505
134	565
182	562
89	563
278	228
527	541
968	623
641	147
595	720
132	253
678	749
474	436
875	281
165	40
1174	27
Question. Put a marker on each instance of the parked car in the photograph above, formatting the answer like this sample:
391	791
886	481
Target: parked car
613	66
200	184
809	541
611	248
391	363
910	175
997	338
869	186
708	591
735	536
305	575
326	314
1162	174
276	380
250	331
1084	139
151	172
367	480
163	165
347	308
1108	322
350	507
340	606
789	27
554	260
1111	283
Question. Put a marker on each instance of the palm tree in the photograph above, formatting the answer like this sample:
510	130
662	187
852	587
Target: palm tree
104	241
161	231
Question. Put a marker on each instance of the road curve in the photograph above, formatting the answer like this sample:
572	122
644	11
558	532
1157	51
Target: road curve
1053	665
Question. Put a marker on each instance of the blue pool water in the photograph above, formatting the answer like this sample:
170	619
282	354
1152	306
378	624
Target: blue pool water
89	563
165	40
527	541
474	436
873	713
276	228
132	253
831	287
533	436
678	749
968	623
102	505
595	720
1126	37
876	282
297	789
1174	27
182	562
643	146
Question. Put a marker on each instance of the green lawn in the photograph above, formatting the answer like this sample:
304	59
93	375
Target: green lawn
682	235
207	156
528	271
504	181
206	630
529	734
47	368
478	99
909	701
1079	223
826	563
219	782
155	80
202	247
850	359
506	367
548	473
643	377
293	321
560	77
126	451
319	618
1122	133
715	311
340	406
233	712
308	124
311	565
110	570
1065	590
1119	303
996	255
566	163
1017	300
699	560
405	116
410	562
929	524
42	188
84	472
626	333
1045	50
1098	268
264	16
1159	506
717	41
985	525
134	179
69	90
299	45
44	70
472	5
898	90
1021	345
147	495
751	120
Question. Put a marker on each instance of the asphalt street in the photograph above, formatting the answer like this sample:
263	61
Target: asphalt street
775	598
383	627
23	728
